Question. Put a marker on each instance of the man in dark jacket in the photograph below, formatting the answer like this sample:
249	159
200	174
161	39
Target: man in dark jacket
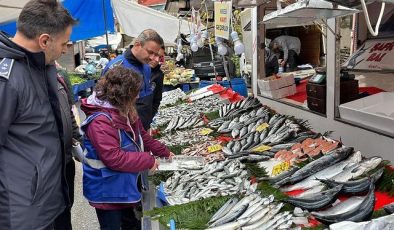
145	49
71	133
33	191
157	82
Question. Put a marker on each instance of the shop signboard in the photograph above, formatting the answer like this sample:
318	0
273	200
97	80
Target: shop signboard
222	19
376	54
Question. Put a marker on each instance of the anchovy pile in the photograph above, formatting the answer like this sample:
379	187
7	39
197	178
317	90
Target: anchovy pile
201	149
251	212
187	110
223	178
184	137
172	97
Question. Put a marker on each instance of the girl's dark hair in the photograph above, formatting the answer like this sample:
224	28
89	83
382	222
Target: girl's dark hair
120	87
44	16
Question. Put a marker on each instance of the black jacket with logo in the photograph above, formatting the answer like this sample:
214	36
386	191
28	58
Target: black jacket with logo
32	155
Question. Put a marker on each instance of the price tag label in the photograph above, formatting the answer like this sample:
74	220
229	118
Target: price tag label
279	168
206	131
214	148
261	148
262	127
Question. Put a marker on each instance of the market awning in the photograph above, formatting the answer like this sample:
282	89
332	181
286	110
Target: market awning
305	12
90	14
135	18
113	40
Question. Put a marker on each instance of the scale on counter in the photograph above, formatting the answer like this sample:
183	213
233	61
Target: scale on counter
319	77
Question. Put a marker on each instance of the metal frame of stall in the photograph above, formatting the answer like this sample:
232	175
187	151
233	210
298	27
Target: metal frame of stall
366	139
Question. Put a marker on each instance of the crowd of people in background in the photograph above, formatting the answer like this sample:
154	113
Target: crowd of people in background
38	131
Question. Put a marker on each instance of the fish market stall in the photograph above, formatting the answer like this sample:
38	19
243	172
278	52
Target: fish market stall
272	165
251	167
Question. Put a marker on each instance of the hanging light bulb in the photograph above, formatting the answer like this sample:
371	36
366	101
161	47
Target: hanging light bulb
193	43
179	56
239	47
222	50
179	45
204	37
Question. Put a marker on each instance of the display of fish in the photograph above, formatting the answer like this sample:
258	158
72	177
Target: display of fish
358	213
381	223
356	170
316	202
318	165
326	173
187	110
355	186
333	169
341	207
185	137
227	177
172	97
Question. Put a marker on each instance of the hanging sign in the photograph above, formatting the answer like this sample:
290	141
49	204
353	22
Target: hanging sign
222	19
377	54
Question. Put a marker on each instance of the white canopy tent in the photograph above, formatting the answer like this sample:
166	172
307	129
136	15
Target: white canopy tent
10	10
135	18
113	40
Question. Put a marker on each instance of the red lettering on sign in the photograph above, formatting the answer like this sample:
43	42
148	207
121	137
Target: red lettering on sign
223	19
382	47
375	47
376	57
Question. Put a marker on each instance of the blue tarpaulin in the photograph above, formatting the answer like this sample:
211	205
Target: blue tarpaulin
90	15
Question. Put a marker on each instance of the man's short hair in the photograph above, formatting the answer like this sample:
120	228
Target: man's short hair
43	16
150	35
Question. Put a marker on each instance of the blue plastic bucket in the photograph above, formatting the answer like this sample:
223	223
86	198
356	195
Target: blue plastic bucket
239	86
205	83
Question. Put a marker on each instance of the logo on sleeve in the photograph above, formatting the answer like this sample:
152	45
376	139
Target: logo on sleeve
6	67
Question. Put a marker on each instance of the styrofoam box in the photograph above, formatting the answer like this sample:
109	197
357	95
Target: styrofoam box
376	111
274	84
279	93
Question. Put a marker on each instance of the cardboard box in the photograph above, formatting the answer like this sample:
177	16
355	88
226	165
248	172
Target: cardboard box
376	111
272	83
279	93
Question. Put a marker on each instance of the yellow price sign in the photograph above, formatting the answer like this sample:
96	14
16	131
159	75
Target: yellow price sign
206	131
262	127
261	148
214	148
279	168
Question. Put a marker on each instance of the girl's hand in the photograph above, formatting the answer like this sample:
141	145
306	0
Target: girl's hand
171	155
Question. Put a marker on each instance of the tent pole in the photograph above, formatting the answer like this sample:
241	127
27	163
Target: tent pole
105	26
